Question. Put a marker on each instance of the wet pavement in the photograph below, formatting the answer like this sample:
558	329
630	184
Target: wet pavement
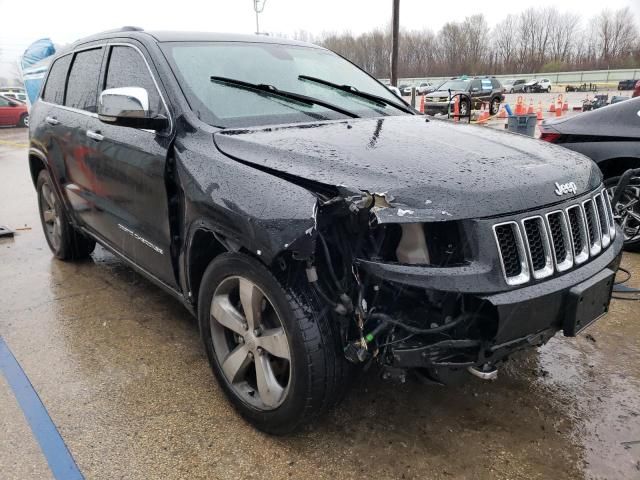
119	366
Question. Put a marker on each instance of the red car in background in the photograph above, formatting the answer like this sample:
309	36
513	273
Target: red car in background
13	112
636	90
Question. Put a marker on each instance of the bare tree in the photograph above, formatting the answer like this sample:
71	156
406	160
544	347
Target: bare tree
538	39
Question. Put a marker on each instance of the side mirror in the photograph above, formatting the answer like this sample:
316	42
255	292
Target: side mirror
13	104
475	89
129	107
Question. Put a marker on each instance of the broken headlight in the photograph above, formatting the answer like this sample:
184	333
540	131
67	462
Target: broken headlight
437	244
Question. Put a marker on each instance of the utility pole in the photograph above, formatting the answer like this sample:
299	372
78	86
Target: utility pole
258	7
395	27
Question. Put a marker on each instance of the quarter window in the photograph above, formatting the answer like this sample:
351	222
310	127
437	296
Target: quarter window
54	89
82	86
127	68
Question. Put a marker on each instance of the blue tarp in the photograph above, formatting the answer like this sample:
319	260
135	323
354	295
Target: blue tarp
34	63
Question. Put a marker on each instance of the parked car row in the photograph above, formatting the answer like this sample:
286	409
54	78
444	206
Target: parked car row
522	85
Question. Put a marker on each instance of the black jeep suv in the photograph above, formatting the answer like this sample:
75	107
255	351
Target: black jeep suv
475	90
311	220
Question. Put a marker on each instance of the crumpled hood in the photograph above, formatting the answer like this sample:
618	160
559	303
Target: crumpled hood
428	170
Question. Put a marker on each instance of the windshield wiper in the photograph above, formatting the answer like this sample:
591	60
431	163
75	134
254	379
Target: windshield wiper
271	90
354	91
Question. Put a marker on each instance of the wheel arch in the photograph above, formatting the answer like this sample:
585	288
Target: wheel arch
37	163
203	246
613	167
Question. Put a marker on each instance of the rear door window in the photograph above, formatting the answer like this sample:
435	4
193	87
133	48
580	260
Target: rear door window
54	88
127	68
82	86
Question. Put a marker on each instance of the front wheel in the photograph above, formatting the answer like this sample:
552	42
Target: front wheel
24	120
627	211
548	89
495	106
272	348
464	108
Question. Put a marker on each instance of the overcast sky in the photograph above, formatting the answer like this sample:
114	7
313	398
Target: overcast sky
65	21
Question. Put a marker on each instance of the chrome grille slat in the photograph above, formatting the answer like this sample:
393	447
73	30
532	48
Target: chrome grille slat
603	220
593	227
504	234
609	208
560	240
538	247
541	245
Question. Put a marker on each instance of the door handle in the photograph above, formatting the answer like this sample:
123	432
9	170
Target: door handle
94	135
52	120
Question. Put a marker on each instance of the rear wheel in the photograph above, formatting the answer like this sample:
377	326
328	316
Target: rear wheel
627	211
64	241
272	348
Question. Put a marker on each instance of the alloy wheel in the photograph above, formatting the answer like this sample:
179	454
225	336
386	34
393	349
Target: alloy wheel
50	217
627	211
250	343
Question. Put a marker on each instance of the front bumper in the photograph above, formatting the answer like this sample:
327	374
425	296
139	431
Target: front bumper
523	317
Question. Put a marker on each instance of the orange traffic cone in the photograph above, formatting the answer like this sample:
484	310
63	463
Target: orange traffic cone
422	104
540	116
502	113
519	106
552	107
484	115
565	106
559	107
530	109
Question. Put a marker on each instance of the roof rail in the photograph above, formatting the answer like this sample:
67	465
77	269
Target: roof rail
126	28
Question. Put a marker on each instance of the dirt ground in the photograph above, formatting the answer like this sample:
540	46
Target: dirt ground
119	366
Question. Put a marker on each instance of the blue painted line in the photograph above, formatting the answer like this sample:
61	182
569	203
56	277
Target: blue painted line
53	447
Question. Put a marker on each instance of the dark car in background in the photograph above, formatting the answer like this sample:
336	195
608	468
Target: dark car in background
611	137
477	90
13	112
627	84
311	221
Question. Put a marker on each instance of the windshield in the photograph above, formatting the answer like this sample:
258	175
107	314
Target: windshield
279	65
455	85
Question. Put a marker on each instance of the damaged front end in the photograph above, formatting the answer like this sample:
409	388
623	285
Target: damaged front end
402	291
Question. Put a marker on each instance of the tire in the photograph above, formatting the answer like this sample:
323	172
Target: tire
316	377
494	107
64	241
511	91
548	89
24	121
464	108
633	244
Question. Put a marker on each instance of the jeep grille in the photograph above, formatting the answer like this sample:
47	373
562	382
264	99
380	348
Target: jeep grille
538	246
